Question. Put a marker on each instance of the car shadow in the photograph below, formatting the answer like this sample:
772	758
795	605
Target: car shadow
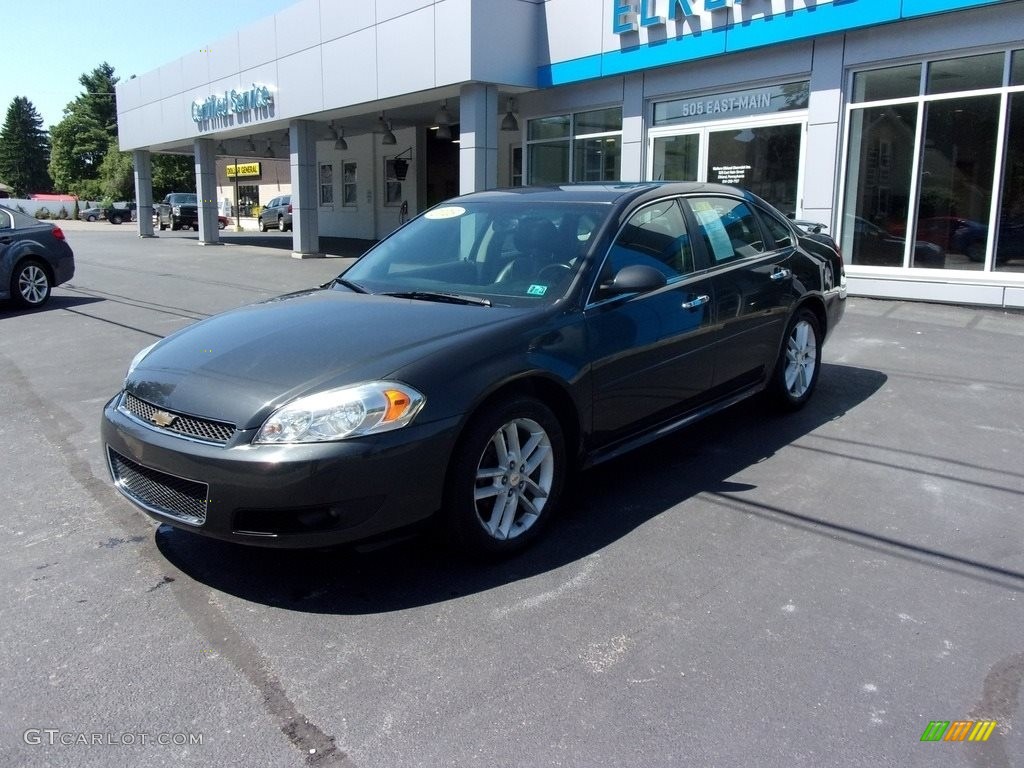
8	309
607	503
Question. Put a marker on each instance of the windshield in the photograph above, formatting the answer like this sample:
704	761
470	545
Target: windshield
511	253
184	199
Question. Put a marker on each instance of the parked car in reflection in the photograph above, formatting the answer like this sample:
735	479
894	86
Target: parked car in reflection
94	213
277	214
34	257
874	246
964	236
468	363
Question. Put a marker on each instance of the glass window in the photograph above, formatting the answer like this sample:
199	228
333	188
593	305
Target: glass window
516	165
326	184
728	228
598	159
779	230
879	172
957	168
555	127
765	160
966	74
549	162
348	184
889	83
676	157
655	236
597	121
1017	68
720	106
1010	242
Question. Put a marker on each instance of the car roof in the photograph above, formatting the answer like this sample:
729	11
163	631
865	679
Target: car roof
599	193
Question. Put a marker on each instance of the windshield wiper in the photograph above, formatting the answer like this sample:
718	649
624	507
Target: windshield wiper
450	298
347	283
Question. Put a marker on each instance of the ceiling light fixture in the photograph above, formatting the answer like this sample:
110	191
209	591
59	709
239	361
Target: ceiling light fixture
389	136
509	122
443	116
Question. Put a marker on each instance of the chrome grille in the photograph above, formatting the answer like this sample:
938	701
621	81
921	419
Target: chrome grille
175	497
190	426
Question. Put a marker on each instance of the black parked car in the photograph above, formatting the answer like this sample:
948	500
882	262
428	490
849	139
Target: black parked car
34	257
470	361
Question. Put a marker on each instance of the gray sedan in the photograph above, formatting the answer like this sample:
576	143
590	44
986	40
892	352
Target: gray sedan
34	257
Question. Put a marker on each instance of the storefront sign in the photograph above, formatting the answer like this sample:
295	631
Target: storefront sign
627	15
756	101
244	170
232	103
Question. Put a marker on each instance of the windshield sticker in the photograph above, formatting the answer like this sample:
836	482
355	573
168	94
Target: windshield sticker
537	290
448	212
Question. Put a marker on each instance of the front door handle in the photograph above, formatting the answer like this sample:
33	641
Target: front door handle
782	274
697	302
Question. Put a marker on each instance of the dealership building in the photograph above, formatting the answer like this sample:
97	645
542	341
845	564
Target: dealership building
899	124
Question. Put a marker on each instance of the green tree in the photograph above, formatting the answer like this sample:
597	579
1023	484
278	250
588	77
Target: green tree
24	149
173	173
81	140
117	174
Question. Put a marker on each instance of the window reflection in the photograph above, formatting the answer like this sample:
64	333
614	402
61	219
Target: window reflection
1010	245
878	185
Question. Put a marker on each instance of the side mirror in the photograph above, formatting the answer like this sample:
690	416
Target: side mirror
636	278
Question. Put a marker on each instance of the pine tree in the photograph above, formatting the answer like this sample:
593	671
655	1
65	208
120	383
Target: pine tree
24	149
82	139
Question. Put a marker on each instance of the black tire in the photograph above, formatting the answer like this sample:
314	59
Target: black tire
518	512
221	224
90	218
799	363
280	224
116	218
175	225
30	284
263	225
976	251
161	225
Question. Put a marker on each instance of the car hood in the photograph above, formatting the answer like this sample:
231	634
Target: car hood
241	365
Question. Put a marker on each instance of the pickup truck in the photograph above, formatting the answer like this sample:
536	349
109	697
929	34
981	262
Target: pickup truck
120	212
179	210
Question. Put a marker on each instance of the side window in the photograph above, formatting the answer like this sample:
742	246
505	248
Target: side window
779	231
656	236
728	227
5	221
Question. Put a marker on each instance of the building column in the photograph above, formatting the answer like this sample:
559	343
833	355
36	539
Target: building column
144	191
631	166
206	191
305	226
478	135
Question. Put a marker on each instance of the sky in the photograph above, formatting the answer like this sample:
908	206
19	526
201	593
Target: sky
47	47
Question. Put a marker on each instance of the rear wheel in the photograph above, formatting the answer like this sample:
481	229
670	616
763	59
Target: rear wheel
280	223
507	477
30	284
796	370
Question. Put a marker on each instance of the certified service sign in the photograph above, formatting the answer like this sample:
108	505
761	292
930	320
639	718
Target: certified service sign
232	102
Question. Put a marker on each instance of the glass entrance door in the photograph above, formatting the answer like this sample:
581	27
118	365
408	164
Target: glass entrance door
764	158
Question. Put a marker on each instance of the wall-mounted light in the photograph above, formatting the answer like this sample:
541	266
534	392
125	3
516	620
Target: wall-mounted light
400	164
250	146
509	122
270	149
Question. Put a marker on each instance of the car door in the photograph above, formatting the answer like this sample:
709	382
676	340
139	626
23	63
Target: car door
752	276
651	352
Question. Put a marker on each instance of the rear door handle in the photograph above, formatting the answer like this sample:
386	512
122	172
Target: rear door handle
697	302
782	274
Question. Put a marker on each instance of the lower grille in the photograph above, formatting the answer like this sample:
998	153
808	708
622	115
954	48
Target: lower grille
176	497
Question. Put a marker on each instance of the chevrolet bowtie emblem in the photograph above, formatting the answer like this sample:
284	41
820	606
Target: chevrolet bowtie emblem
163	418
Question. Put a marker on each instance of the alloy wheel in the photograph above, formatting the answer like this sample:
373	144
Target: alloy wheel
801	358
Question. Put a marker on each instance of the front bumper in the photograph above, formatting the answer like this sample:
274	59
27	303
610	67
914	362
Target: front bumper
307	495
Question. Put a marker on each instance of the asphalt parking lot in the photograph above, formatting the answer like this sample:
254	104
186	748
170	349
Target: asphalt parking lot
759	590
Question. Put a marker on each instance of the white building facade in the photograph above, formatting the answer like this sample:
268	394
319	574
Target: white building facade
898	125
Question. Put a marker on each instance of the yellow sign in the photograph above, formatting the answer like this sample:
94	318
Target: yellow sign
243	170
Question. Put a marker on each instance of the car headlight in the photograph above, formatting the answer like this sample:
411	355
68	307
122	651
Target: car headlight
336	414
176	210
138	359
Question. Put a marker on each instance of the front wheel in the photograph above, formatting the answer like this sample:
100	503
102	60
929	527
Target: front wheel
30	284
263	226
507	477
796	370
116	218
